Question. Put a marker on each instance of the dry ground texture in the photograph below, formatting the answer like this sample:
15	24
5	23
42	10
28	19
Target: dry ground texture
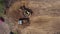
45	18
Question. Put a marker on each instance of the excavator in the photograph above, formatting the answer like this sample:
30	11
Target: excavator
26	13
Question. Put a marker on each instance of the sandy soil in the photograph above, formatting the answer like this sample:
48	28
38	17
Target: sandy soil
4	28
45	18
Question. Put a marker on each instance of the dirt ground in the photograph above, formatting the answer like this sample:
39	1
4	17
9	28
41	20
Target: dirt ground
44	20
4	28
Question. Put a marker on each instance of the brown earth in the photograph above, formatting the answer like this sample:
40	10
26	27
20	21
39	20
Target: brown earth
4	28
45	18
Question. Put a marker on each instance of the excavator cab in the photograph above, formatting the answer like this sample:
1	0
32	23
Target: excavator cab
23	21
